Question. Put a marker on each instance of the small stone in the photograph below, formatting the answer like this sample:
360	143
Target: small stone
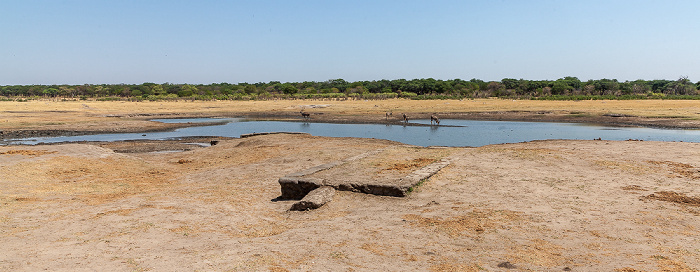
507	265
315	199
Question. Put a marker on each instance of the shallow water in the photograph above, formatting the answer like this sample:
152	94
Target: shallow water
452	133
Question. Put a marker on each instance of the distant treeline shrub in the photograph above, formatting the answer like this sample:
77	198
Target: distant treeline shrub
567	88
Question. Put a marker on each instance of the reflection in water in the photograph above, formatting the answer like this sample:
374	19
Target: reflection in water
450	133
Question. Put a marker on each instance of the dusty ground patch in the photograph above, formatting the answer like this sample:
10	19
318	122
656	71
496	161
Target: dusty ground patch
538	206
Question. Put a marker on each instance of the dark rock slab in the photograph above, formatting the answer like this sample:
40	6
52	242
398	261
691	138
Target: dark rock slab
315	199
299	184
296	185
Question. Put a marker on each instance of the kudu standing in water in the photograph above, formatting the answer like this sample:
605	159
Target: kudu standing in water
435	119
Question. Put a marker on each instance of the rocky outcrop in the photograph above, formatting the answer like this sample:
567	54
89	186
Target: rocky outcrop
299	184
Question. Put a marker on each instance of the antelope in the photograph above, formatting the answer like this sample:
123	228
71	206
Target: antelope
434	118
405	118
388	114
305	115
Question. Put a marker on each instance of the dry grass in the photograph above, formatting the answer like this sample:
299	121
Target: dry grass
29	153
472	223
626	166
539	252
412	164
679	169
546	155
94	180
675	197
633	187
665	265
374	248
451	266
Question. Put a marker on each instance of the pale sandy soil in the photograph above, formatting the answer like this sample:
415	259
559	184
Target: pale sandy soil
540	206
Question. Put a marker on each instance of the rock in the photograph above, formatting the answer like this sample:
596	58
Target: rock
506	265
297	188
315	199
297	185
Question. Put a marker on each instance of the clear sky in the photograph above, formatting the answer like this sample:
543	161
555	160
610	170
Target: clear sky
137	41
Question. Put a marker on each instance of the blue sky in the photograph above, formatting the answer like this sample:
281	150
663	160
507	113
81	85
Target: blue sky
136	41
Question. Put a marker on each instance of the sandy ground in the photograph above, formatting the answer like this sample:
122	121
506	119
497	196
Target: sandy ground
538	206
177	206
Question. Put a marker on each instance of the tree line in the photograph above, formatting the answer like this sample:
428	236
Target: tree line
563	88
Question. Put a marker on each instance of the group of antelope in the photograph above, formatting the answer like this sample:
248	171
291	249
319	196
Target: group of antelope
433	118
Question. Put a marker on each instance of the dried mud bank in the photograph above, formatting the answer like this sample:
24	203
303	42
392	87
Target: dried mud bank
130	126
536	206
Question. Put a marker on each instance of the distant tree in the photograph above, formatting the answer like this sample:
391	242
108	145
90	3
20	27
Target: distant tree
339	83
605	86
480	83
187	91
510	83
412	86
158	89
51	92
658	86
66	91
288	88
682	86
250	89
495	88
309	90
638	87
442	87
572	82
560	88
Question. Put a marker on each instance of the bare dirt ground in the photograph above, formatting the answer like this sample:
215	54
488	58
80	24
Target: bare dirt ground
537	206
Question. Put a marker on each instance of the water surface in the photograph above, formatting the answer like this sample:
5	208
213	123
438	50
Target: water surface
453	133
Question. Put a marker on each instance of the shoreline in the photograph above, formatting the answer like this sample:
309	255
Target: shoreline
148	126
